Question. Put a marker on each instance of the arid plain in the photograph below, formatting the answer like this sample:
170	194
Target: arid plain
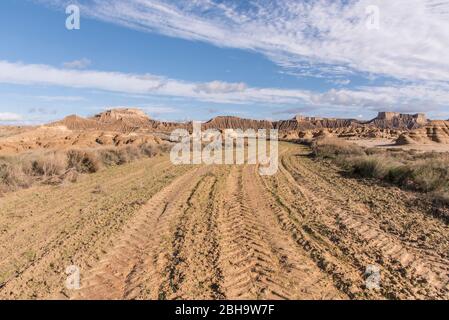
101	194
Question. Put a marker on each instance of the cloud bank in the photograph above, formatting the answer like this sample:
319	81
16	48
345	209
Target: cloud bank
399	97
324	38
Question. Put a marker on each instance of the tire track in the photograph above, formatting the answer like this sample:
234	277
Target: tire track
121	273
192	270
407	271
261	260
224	232
66	231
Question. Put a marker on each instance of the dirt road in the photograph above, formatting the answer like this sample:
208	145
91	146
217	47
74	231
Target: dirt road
150	230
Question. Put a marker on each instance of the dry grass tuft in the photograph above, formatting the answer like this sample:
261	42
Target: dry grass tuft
12	176
334	147
55	167
425	172
83	161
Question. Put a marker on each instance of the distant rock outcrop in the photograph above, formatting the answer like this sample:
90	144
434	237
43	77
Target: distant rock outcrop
434	132
395	120
127	126
120	120
74	122
131	120
387	125
228	122
123	117
309	123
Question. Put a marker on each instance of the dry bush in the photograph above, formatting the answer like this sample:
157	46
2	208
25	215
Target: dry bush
119	156
12	175
164	147
132	153
431	175
148	150
441	197
369	166
109	156
306	141
375	151
400	175
70	175
427	172
334	147
45	164
55	167
83	161
123	156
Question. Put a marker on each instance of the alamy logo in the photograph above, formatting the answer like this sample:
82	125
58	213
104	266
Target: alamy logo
232	146
73	21
373	20
372	274
73	281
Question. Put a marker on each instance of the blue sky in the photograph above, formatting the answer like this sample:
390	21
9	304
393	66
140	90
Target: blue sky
182	60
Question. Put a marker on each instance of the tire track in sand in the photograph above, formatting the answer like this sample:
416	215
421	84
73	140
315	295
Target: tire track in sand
192	270
406	271
260	261
123	272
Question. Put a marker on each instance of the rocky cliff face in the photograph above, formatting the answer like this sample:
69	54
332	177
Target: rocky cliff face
432	132
132	120
132	117
74	122
121	120
226	122
385	120
310	123
395	120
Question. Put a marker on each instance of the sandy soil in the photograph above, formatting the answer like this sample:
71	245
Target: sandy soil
390	144
149	230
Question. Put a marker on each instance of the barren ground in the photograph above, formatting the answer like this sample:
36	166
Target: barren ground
150	230
390	144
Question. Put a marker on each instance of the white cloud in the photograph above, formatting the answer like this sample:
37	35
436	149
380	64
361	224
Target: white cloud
19	73
418	96
61	98
153	109
159	109
220	87
10	117
339	82
313	38
220	92
77	64
321	38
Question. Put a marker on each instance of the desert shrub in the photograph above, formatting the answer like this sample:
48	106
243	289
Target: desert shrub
12	175
164	147
375	151
369	166
399	174
306	141
333	148
441	197
132	153
83	161
70	175
149	150
123	156
430	175
45	164
55	167
109	157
